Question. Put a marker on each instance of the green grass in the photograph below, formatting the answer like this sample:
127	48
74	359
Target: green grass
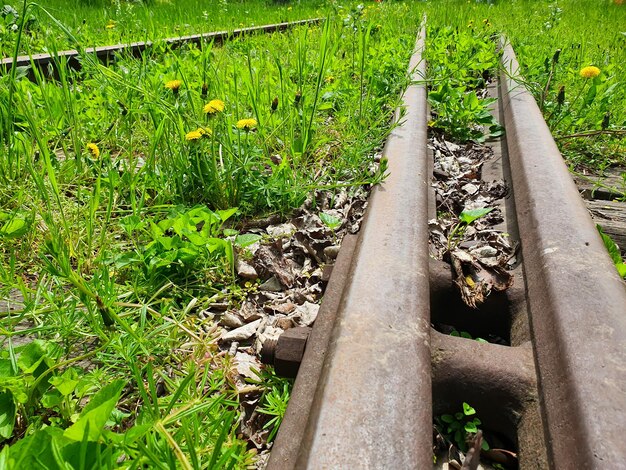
104	22
587	33
119	228
118	252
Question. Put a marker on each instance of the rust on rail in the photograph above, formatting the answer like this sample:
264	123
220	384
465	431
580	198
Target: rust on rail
576	300
366	411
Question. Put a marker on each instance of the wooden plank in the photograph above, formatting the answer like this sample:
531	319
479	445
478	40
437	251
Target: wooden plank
611	185
611	216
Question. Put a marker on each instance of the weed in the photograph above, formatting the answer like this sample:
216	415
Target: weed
466	218
465	334
459	64
459	426
274	401
614	253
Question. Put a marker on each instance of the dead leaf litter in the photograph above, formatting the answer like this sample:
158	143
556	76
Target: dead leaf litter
480	253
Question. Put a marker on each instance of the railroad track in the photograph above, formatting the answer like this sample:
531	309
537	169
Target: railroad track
374	373
48	63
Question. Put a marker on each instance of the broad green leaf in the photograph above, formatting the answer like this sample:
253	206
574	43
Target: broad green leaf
51	398
247	239
7	415
468	410
31	356
95	415
447	418
591	94
330	221
35	451
471	427
66	383
15	228
614	252
6	368
224	215
470	216
196	238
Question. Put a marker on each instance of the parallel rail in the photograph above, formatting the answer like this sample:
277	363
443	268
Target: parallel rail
49	63
374	372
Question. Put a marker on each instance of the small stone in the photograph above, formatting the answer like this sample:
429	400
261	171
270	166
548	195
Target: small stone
271	285
249	313
284	306
219	306
284	323
485	252
331	252
470	188
242	333
230	320
306	313
281	230
245	271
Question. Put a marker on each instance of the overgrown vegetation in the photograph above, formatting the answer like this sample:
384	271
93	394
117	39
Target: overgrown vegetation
554	41
123	191
102	22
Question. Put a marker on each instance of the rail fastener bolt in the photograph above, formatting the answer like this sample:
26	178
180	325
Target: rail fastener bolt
286	352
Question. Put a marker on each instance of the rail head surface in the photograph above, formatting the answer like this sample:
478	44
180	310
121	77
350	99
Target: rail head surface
372	408
577	303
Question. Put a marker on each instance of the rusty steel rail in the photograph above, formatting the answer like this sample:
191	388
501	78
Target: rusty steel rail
107	54
374	373
361	410
577	303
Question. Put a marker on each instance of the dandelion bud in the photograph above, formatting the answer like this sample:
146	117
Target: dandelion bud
298	97
560	98
606	121
123	108
274	103
205	90
555	57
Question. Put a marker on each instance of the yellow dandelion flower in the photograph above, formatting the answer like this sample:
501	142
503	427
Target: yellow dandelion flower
110	25
194	135
214	106
246	124
589	72
173	85
93	150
